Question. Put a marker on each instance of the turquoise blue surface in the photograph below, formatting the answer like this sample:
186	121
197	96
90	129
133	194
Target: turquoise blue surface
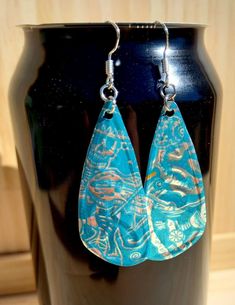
125	222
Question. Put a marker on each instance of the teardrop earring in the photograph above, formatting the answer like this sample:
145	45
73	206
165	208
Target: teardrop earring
113	222
176	196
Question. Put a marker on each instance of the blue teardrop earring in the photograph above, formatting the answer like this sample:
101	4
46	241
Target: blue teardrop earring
174	181
113	221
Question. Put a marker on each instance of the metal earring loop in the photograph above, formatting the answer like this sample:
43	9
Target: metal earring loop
170	95
109	69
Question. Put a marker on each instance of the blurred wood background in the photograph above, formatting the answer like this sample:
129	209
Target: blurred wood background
220	43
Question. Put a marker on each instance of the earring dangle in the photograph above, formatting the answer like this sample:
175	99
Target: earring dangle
113	222
176	196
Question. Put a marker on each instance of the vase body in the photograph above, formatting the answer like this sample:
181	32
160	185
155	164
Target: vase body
55	102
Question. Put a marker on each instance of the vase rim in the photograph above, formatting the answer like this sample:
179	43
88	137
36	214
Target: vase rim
132	25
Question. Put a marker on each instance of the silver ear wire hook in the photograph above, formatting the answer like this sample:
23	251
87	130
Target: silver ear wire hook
109	69
117	40
165	71
164	61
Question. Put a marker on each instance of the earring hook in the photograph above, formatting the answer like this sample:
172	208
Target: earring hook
164	60
109	69
117	40
165	68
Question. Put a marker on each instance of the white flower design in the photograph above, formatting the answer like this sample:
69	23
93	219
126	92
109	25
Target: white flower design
176	236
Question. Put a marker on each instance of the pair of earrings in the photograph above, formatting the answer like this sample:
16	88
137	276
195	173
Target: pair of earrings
123	221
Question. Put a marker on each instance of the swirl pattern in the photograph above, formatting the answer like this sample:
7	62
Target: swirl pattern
125	222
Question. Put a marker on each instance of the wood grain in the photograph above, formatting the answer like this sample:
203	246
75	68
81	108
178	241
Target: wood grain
17	273
221	288
24	299
13	230
223	251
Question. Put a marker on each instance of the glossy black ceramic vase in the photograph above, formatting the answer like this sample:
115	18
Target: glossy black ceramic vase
55	102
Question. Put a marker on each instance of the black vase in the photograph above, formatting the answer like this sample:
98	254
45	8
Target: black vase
55	102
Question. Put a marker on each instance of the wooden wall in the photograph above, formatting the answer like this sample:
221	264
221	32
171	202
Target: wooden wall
220	43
